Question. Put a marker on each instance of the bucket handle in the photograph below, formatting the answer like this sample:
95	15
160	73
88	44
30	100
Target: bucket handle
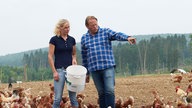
68	82
77	76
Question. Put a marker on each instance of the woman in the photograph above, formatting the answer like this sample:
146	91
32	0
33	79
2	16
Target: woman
62	53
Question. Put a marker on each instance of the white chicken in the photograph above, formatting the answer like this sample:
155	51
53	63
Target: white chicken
179	70
14	96
181	93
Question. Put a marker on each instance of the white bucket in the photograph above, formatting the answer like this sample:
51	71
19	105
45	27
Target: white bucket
76	75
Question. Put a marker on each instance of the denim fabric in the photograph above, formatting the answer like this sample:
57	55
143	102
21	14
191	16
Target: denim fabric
73	99
58	90
105	81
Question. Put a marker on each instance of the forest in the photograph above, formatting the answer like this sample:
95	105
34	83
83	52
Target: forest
157	55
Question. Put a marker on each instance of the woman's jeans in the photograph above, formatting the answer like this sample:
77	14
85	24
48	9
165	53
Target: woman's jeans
105	81
58	90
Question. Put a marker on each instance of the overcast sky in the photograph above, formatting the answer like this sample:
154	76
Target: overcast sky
29	24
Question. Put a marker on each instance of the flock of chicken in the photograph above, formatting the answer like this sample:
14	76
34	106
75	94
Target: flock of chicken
22	98
185	96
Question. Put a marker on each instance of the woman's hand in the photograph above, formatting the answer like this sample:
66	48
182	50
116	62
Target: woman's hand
74	62
56	76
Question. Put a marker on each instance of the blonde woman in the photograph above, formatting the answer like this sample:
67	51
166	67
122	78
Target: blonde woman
62	53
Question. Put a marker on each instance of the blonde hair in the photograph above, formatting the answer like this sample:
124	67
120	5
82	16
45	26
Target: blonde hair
60	24
88	18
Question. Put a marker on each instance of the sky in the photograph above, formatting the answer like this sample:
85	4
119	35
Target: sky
29	24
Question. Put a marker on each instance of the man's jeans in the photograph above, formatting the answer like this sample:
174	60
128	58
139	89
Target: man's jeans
58	90
105	81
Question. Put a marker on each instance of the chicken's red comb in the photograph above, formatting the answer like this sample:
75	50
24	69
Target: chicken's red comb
177	87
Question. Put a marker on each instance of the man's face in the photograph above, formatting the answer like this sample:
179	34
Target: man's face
92	26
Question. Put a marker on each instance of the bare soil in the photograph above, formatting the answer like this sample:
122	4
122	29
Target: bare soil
139	87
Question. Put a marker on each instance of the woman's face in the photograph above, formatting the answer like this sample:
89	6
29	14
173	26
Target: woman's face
65	28
92	26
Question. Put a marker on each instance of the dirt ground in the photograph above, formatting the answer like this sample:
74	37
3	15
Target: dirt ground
139	87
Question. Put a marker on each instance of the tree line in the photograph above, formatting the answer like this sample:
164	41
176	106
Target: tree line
149	56
157	55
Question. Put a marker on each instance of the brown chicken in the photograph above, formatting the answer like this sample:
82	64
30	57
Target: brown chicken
129	102
51	87
80	95
119	102
157	103
178	78
189	88
90	105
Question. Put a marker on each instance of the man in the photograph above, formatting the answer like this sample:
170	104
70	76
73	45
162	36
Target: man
98	58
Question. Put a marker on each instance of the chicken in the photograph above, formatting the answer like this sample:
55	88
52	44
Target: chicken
51	87
178	78
65	99
118	103
189	97
179	70
190	80
6	99
181	105
189	88
155	93
173	71
82	96
10	86
147	106
129	102
14	96
189	76
47	105
182	71
189	105
81	103
90	105
180	92
157	103
169	105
